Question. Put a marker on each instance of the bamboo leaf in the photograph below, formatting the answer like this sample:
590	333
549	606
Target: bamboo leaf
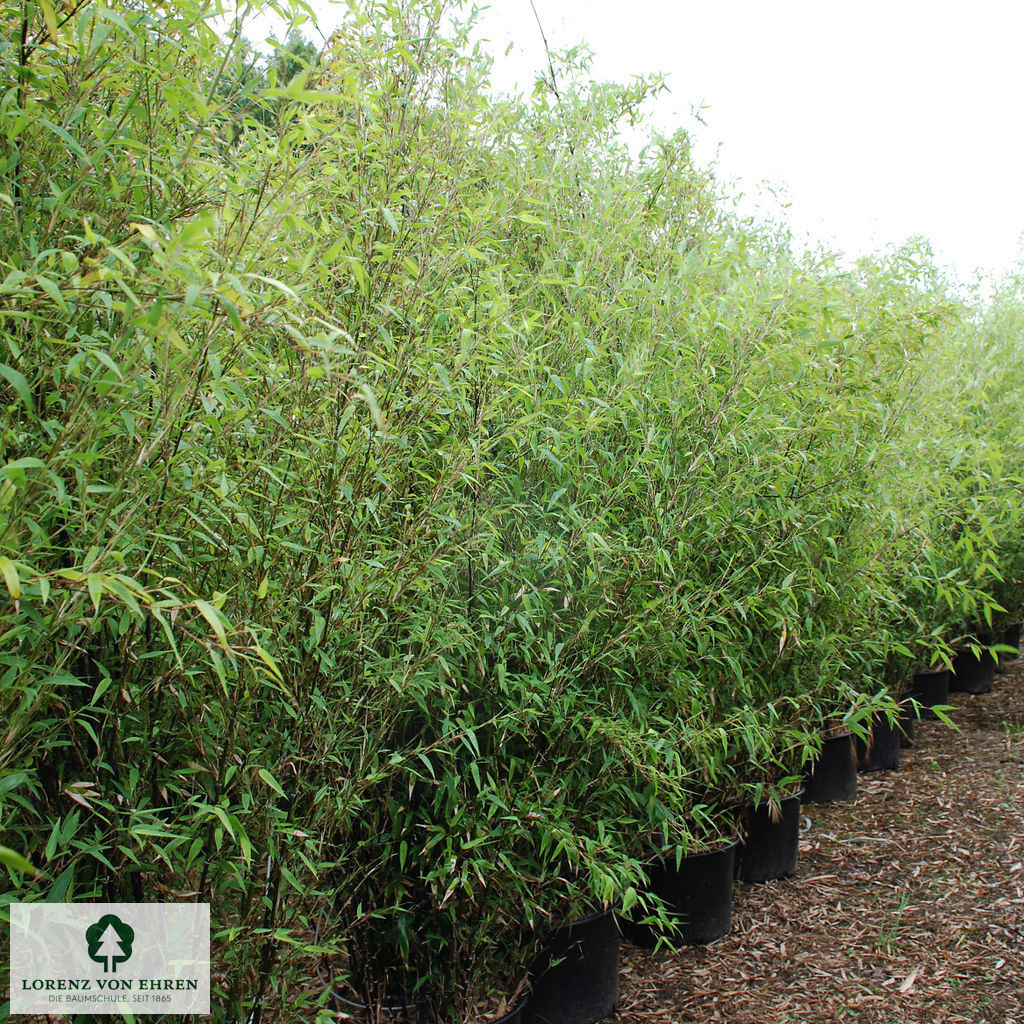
371	401
52	290
94	583
147	231
12	859
10	574
50	17
267	660
214	618
270	781
17	381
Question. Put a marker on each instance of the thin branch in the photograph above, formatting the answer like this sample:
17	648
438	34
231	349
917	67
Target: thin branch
547	50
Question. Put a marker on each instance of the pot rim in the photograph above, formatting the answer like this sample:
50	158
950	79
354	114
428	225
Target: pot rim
524	998
589	919
723	847
831	737
977	652
792	796
354	1004
931	672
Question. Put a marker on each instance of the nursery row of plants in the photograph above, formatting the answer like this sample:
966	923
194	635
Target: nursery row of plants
576	978
419	509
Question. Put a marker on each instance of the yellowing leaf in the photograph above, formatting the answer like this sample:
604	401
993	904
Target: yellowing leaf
146	230
10	574
270	663
50	17
528	218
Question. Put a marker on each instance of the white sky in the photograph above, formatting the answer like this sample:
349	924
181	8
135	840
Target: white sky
878	120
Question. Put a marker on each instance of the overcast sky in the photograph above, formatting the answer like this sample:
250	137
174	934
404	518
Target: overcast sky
877	120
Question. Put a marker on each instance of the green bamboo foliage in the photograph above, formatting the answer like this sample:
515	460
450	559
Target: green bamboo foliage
416	507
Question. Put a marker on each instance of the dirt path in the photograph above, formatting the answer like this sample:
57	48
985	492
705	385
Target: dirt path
907	906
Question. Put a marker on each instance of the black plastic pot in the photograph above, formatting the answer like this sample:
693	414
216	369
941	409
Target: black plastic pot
413	1013
519	1014
931	688
698	893
973	672
881	752
771	847
383	973
575	980
905	722
833	776
1011	637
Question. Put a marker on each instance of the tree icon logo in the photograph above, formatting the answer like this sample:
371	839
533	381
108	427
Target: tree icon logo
110	942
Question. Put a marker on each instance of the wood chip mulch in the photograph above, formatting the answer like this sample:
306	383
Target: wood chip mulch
907	906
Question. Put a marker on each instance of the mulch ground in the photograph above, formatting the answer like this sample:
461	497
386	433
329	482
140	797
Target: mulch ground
907	906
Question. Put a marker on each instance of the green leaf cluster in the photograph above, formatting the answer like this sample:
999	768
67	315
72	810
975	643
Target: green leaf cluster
417	507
